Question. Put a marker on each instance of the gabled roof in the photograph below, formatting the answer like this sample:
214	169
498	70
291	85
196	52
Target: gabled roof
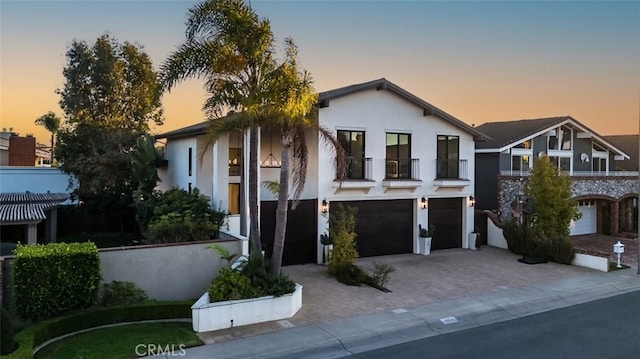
324	100
507	134
189	131
629	144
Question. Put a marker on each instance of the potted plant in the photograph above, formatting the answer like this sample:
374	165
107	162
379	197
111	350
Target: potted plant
473	239
327	242
424	240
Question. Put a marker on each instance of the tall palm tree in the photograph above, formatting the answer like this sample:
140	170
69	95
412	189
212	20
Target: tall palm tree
294	109
52	123
232	49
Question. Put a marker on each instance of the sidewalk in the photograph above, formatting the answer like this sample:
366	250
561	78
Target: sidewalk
447	291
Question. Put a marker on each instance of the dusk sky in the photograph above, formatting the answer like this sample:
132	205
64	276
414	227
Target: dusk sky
481	61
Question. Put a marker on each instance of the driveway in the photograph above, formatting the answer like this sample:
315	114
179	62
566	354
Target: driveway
603	244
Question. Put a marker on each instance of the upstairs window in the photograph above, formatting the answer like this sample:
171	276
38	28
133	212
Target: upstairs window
561	140
353	144
398	155
448	156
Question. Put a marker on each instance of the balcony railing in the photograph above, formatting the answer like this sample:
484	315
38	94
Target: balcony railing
452	169
402	168
360	168
517	173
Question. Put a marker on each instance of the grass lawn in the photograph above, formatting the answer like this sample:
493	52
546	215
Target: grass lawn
614	266
121	341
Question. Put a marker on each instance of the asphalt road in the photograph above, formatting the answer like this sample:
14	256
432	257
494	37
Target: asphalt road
606	328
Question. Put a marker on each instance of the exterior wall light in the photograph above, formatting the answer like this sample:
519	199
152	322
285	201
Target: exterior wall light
472	201
424	203
325	206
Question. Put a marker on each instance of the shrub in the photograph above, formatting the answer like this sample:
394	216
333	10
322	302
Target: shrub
381	274
254	267
280	284
350	274
231	285
122	293
181	216
55	278
560	250
557	248
7	343
342	223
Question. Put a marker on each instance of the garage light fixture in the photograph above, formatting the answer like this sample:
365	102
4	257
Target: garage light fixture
472	201
325	206
424	203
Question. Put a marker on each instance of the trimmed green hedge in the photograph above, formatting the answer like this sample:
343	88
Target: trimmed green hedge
35	335
54	278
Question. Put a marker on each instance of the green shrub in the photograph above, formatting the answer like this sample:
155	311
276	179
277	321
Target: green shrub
181	216
35	335
350	274
342	223
55	278
280	284
7	343
559	249
122	293
231	285
381	274
254	267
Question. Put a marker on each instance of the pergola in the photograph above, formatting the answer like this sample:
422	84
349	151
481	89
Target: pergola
27	208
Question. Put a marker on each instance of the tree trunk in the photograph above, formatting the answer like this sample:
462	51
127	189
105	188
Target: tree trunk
254	227
51	154
281	211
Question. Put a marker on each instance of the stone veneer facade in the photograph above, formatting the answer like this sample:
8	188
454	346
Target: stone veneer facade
612	189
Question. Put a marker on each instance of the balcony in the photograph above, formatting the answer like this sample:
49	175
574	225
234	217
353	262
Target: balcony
359	174
402	173
452	173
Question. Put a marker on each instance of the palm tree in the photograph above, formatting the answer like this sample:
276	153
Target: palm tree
294	110
232	50
52	123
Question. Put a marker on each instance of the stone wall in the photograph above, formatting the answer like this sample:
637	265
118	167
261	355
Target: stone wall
611	188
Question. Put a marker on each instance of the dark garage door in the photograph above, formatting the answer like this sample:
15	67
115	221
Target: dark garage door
446	215
384	227
300	240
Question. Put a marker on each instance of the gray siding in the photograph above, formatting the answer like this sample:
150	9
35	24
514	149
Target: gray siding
580	146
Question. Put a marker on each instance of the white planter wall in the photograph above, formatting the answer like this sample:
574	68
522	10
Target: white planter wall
220	315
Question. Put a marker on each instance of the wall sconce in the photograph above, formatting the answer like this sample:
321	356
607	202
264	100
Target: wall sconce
424	203
325	206
472	201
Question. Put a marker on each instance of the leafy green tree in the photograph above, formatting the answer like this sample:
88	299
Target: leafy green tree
111	96
550	189
232	49
52	123
143	166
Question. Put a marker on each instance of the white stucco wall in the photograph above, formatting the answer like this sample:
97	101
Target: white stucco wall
34	179
377	113
177	172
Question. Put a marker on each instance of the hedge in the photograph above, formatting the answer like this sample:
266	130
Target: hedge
35	335
55	278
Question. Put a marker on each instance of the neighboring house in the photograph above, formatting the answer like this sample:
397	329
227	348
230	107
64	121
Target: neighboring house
16	150
410	163
606	197
629	144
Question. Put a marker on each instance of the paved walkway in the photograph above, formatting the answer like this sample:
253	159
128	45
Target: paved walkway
475	287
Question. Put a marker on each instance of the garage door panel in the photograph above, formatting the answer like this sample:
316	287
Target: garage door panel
446	215
384	227
587	224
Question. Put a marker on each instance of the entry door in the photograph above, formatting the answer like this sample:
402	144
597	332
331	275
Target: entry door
446	215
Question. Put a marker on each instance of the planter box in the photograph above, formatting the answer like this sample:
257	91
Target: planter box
424	244
221	315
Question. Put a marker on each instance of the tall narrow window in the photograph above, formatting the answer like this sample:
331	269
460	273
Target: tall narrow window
353	144
398	155
190	160
234	198
448	157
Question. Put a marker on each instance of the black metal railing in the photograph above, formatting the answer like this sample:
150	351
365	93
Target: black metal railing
452	169
402	168
360	168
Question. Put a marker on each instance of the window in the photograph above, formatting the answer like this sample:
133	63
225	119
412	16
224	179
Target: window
525	145
599	164
190	160
520	163
448	156
235	161
562	163
234	198
353	144
561	140
398	157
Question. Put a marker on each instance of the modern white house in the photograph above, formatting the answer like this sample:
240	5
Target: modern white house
410	164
